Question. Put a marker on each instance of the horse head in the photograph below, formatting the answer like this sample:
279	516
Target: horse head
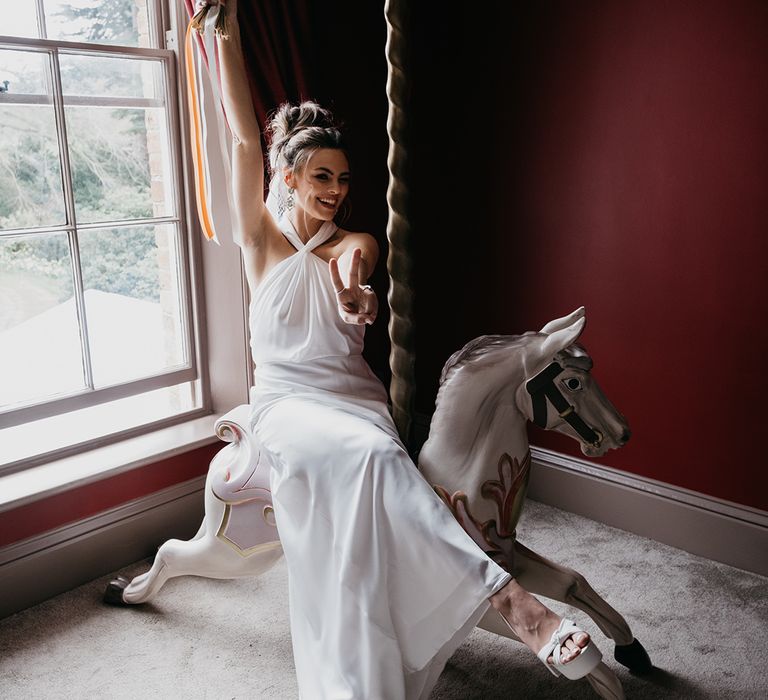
477	456
559	392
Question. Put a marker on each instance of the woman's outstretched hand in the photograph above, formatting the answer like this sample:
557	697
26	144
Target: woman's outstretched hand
357	302
230	5
200	4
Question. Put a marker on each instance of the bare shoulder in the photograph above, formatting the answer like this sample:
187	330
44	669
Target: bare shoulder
349	240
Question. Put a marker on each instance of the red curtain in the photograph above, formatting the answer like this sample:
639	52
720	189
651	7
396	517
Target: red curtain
277	47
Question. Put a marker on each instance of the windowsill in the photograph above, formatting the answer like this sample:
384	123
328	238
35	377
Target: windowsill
63	474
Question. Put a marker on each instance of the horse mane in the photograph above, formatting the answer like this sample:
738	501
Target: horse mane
575	355
478	348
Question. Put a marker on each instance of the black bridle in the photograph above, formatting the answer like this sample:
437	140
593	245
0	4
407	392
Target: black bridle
542	387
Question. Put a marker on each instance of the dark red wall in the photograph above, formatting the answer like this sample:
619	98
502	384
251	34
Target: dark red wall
613	155
84	501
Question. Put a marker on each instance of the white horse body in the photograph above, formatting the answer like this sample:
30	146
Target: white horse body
477	437
477	458
238	537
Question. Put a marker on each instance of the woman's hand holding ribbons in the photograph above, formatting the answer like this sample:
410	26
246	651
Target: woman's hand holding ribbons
357	303
200	4
229	6
226	16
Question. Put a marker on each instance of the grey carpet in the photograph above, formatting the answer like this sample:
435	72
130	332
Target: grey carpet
704	625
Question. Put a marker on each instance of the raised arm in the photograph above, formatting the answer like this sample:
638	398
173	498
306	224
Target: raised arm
250	218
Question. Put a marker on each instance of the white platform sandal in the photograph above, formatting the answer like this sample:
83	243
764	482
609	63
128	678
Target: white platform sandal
578	667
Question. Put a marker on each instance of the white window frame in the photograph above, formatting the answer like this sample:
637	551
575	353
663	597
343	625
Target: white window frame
215	286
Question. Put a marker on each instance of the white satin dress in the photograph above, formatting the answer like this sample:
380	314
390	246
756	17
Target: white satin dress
384	584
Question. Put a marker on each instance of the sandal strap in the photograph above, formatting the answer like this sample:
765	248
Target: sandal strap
554	646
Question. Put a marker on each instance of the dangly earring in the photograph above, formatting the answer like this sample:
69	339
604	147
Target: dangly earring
290	202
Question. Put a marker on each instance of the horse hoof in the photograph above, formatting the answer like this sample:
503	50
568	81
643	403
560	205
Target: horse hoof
634	657
113	595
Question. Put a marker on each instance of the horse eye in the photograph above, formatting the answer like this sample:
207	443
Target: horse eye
572	383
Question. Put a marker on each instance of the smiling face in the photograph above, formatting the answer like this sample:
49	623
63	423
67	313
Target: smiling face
322	184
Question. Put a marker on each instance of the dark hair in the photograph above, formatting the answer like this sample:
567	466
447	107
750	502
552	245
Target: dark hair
296	131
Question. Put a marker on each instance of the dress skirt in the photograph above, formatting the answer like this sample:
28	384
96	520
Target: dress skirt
384	584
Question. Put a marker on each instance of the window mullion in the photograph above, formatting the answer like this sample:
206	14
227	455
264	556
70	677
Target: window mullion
126	223
69	206
41	26
157	22
170	78
87	398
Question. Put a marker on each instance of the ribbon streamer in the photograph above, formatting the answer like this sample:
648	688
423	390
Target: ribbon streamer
207	140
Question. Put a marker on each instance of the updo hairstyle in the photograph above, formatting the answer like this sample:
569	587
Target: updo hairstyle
294	132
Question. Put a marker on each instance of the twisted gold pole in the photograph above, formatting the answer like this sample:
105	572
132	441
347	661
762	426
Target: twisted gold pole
401	358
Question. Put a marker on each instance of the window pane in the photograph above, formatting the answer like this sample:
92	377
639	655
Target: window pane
130	277
108	76
121	22
40	354
120	163
30	171
119	152
21	21
27	72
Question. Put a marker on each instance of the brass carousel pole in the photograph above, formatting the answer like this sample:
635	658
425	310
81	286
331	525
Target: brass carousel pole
400	297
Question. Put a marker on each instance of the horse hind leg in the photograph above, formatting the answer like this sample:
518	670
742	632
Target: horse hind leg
174	558
539	575
142	588
204	556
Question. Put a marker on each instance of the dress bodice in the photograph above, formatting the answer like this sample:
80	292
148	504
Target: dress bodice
293	313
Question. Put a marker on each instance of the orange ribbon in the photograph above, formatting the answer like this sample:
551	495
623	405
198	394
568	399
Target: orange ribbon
199	162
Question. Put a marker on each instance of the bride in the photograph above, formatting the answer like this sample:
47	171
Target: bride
384	584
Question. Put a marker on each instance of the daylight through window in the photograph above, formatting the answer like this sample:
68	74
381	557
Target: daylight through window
94	303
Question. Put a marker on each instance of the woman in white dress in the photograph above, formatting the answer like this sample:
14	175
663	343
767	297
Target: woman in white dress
384	584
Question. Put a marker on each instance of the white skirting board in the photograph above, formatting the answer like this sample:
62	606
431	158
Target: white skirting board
57	561
45	565
709	527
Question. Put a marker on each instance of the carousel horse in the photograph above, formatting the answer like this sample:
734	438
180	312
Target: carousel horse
476	457
478	460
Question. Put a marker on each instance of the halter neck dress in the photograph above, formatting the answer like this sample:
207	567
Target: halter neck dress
384	584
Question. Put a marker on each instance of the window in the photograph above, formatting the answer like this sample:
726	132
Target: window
97	334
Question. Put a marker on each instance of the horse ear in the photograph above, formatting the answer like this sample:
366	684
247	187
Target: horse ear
560	323
561	339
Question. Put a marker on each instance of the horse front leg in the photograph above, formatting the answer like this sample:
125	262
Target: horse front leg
544	577
605	683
